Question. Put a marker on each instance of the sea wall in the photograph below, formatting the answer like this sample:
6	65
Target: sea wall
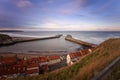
27	39
8	40
70	38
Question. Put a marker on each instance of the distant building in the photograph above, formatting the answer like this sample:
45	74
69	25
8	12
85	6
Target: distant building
32	69
43	64
54	59
12	71
14	67
75	56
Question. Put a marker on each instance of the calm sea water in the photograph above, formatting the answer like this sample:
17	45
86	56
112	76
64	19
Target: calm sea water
95	37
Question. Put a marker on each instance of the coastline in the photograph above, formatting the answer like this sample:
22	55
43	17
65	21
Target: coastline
54	62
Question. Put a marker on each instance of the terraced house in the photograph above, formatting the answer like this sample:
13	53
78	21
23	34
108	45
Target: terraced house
14	66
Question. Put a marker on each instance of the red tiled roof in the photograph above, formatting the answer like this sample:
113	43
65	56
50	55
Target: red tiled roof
43	59
12	70
79	53
75	54
32	71
84	52
53	57
9	60
22	62
32	65
33	60
20	68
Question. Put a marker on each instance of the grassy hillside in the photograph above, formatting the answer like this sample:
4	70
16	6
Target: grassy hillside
88	67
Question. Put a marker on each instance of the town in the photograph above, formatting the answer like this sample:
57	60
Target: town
14	66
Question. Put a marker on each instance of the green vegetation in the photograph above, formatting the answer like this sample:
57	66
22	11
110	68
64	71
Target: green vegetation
88	67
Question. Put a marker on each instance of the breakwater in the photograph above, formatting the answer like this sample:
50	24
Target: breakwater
13	40
70	38
26	39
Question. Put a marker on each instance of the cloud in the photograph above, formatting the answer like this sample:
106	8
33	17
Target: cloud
23	3
109	28
67	11
72	6
79	3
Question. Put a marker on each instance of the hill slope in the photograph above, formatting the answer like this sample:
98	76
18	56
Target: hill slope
88	67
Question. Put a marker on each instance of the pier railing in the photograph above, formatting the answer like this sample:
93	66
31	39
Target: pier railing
103	74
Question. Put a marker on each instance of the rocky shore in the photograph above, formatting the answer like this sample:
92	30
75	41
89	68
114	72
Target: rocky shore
8	40
5	40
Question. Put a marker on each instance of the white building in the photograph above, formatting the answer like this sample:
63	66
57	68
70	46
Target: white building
68	60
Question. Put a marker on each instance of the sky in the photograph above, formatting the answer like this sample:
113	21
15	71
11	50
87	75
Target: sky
83	15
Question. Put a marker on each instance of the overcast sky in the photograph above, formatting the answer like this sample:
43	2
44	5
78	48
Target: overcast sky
60	14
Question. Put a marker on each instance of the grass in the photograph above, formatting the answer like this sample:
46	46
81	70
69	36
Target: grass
88	67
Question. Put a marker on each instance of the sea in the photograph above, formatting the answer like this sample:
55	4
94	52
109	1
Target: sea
56	44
